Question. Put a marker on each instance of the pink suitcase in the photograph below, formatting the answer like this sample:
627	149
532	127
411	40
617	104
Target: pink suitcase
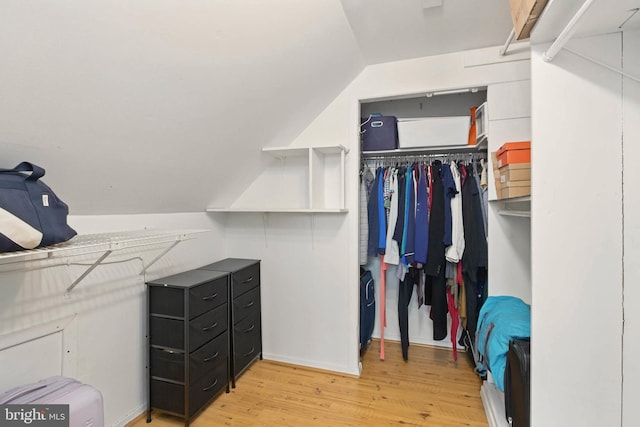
85	401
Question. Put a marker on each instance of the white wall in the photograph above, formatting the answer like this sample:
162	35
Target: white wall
110	304
577	236
509	109
328	269
631	178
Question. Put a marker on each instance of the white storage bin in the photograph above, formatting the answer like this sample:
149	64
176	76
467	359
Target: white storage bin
433	131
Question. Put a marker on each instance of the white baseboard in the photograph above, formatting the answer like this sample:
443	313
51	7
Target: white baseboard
132	415
493	402
310	363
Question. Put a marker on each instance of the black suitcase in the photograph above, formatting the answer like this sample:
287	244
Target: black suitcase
367	308
516	383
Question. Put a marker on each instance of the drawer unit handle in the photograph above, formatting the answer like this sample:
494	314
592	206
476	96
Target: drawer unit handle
206	328
211	386
210	297
248	280
251	328
249	305
250	352
209	359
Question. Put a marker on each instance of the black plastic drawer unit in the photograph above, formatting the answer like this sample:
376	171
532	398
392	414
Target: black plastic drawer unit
189	361
245	319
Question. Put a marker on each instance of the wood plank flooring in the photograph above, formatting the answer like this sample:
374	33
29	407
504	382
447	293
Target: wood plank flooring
430	389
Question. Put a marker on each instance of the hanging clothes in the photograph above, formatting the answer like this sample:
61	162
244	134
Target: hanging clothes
405	291
474	260
392	253
435	260
454	252
408	235
366	179
373	215
421	239
450	192
428	219
383	304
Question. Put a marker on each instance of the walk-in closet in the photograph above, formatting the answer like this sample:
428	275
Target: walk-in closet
414	297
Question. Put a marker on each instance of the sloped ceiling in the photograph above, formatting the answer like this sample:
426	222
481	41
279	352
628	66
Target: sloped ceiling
395	30
154	106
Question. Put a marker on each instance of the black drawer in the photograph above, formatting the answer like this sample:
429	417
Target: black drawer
207	387
166	301
168	364
169	396
208	296
166	332
207	326
245	280
247	341
169	301
170	332
209	357
246	304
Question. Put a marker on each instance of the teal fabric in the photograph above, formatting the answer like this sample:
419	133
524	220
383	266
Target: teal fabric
501	319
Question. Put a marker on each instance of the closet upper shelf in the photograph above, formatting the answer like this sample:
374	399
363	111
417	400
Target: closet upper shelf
321	169
462	149
281	152
103	244
515	206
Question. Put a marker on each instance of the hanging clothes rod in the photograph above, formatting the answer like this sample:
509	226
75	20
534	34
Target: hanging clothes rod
512	34
419	158
439	150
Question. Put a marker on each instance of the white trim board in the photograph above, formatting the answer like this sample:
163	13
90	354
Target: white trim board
67	326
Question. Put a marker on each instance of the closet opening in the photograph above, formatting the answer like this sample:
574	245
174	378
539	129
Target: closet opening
423	222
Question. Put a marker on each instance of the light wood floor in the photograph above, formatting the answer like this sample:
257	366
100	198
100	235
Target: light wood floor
430	389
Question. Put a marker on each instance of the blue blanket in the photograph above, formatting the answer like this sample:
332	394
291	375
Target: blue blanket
501	319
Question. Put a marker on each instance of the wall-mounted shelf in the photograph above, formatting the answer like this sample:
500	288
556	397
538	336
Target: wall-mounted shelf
516	206
103	244
317	173
276	210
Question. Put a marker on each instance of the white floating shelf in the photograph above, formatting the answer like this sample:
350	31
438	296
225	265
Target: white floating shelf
302	151
319	162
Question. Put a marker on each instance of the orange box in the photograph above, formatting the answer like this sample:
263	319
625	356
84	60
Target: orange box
514	152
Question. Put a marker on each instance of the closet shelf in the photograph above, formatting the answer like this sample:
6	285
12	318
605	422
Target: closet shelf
278	210
321	168
444	149
281	152
515	206
103	244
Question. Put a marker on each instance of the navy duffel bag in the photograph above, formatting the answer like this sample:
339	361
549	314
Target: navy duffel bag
31	215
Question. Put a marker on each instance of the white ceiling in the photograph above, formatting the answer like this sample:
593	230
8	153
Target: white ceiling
391	30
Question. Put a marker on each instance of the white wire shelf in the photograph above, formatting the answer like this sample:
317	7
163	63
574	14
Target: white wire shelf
102	243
